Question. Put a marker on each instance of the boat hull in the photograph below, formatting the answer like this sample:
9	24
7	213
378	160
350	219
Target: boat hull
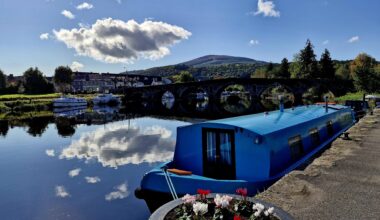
155	190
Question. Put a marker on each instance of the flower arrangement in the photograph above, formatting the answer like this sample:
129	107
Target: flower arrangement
225	207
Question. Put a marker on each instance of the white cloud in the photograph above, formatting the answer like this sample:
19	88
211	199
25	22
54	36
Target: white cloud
50	152
68	14
76	66
353	39
118	145
120	193
85	5
60	191
267	8
118	1
93	179
116	41
44	36
325	42
84	25
74	172
253	42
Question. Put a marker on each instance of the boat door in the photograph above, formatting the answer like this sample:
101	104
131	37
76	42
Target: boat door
218	153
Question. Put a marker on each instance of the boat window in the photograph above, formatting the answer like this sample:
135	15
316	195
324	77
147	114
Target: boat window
218	153
296	147
330	129
314	136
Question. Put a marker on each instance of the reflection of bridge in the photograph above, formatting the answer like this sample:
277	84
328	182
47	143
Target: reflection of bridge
254	87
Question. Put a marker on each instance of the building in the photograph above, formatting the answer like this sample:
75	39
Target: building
108	82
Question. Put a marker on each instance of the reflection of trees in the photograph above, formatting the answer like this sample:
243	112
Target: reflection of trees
37	126
65	126
314	94
4	127
270	97
235	99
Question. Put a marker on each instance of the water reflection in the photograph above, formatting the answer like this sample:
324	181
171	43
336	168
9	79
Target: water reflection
118	145
168	100
37	126
4	127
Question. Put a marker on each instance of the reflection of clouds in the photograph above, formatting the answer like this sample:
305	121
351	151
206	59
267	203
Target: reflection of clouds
119	145
50	152
60	191
74	172
93	179
120	193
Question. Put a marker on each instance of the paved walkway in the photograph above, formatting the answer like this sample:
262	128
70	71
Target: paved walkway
343	183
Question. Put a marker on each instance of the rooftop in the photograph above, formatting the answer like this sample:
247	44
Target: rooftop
263	123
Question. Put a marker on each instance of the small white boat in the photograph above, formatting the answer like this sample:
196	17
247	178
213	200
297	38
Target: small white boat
103	99
64	102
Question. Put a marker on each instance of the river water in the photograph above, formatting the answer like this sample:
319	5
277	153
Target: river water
78	167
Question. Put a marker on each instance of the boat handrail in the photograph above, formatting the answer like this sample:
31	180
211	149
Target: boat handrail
170	183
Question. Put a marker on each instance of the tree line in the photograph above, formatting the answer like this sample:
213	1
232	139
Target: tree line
34	82
364	69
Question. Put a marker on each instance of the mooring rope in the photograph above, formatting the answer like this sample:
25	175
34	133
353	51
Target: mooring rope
170	184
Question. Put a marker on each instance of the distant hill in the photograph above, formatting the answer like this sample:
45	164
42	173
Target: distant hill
217	60
208	67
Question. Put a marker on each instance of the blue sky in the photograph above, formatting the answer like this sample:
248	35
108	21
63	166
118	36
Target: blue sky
114	35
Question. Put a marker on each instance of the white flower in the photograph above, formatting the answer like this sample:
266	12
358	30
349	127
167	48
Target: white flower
200	208
266	213
222	201
236	207
271	210
188	199
257	214
258	206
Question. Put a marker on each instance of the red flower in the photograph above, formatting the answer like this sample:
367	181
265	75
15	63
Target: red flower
237	217
242	191
203	192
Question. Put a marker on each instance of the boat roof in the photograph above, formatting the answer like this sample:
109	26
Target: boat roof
265	123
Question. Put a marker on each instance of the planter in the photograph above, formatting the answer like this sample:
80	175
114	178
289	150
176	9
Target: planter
160	213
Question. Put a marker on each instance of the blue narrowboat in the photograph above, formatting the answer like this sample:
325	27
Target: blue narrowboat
251	151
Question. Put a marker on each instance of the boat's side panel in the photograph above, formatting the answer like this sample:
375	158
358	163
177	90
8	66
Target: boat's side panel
280	150
251	159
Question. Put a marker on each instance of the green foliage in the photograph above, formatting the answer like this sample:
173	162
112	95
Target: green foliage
3	80
364	75
183	76
63	77
308	62
284	69
343	71
327	66
295	68
35	82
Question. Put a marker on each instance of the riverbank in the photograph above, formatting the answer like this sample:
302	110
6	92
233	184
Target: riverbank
343	183
32	103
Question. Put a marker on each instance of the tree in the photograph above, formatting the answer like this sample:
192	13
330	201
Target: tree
63	77
284	69
3	80
327	66
343	71
308	62
35	82
184	76
363	72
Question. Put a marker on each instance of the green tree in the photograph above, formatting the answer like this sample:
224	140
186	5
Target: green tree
308	62
35	82
3	80
343	71
183	76
284	69
363	72
327	66
63	77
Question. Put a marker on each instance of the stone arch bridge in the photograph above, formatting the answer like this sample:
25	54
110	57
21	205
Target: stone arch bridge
255	87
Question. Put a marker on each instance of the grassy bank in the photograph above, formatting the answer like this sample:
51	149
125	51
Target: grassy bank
30	103
352	96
